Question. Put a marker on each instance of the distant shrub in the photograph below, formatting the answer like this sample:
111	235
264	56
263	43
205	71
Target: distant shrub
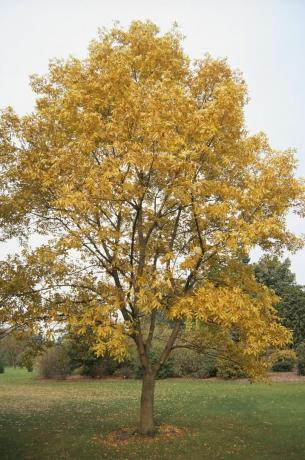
282	366
226	369
301	358
207	368
99	367
190	363
125	372
54	363
78	371
186	362
205	372
1	367
97	370
283	360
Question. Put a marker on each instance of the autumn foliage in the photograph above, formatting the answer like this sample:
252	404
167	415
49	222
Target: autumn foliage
137	169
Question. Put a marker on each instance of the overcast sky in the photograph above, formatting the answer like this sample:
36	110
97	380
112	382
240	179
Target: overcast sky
265	39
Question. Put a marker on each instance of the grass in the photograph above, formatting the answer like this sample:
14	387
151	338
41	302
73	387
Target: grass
224	420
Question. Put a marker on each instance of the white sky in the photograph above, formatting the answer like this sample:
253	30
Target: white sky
265	39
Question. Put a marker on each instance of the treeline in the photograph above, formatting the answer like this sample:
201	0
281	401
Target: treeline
72	355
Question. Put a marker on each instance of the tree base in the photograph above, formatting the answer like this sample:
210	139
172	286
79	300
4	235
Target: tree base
125	436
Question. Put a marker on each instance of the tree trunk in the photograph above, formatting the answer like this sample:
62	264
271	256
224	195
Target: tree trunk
147	404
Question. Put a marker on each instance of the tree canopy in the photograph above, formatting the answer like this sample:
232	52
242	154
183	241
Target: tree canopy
137	169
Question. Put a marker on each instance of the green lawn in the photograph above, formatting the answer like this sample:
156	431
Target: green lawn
224	420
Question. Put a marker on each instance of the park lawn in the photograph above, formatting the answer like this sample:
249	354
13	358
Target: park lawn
223	420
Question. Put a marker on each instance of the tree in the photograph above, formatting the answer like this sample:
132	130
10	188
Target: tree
137	169
82	357
54	363
277	275
10	349
20	349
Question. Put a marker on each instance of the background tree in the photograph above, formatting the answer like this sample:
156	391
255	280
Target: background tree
20	349
82	357
277	275
10	349
138	170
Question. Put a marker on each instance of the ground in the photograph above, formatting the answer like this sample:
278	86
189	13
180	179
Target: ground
214	419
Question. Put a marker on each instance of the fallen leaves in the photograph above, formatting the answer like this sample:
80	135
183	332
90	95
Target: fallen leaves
129	435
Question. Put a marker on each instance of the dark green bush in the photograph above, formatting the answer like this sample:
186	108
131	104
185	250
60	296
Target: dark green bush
125	372
1	367
84	360
282	366
301	358
283	360
100	368
54	363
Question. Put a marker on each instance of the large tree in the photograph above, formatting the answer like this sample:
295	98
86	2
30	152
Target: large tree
138	171
277	275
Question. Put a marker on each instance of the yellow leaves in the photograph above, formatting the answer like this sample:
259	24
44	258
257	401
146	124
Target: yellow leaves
138	165
253	316
112	341
189	262
106	327
167	257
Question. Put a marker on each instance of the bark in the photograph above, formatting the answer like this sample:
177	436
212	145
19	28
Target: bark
147	404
